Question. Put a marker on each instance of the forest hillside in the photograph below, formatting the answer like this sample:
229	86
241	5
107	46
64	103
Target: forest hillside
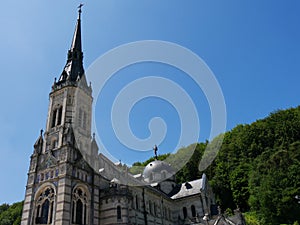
256	169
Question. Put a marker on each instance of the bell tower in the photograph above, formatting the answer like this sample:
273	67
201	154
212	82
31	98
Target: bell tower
61	185
70	99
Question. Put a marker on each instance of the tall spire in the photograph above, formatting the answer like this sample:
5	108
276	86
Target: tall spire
76	42
73	70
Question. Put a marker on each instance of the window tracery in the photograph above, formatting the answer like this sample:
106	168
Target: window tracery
45	206
80	206
57	116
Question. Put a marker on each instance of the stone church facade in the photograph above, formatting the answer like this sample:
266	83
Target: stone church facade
70	183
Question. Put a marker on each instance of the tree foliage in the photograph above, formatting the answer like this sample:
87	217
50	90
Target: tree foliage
11	214
257	167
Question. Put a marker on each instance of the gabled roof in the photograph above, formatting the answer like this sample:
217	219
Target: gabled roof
187	189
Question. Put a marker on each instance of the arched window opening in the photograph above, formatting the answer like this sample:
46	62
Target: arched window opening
45	212
80	207
119	213
37	213
59	116
193	210
44	207
136	202
54	144
184	210
51	210
54	118
79	212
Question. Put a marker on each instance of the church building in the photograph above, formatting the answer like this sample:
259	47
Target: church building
70	183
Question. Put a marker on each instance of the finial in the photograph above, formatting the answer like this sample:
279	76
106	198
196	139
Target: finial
79	9
42	132
94	135
155	151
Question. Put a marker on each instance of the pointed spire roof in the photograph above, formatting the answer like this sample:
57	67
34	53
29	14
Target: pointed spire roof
76	42
38	145
73	70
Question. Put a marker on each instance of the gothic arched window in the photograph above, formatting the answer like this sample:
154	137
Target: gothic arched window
193	209
44	206
59	116
54	118
119	213
80	206
82	118
184	210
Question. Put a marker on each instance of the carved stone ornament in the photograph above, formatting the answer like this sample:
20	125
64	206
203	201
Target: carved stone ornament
49	161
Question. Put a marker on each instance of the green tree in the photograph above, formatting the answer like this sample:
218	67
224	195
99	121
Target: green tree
12	215
275	184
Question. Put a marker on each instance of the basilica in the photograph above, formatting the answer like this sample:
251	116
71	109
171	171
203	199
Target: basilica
69	182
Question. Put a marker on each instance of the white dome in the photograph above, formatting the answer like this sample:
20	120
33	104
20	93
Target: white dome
157	171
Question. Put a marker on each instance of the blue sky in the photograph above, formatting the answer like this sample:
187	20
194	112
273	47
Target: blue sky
253	49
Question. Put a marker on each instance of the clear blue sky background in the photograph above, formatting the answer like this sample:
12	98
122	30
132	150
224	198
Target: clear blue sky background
252	47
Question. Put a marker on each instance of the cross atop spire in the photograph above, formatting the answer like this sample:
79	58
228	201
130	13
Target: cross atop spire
79	7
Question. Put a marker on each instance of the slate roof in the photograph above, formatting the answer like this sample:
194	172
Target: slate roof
73	70
187	189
